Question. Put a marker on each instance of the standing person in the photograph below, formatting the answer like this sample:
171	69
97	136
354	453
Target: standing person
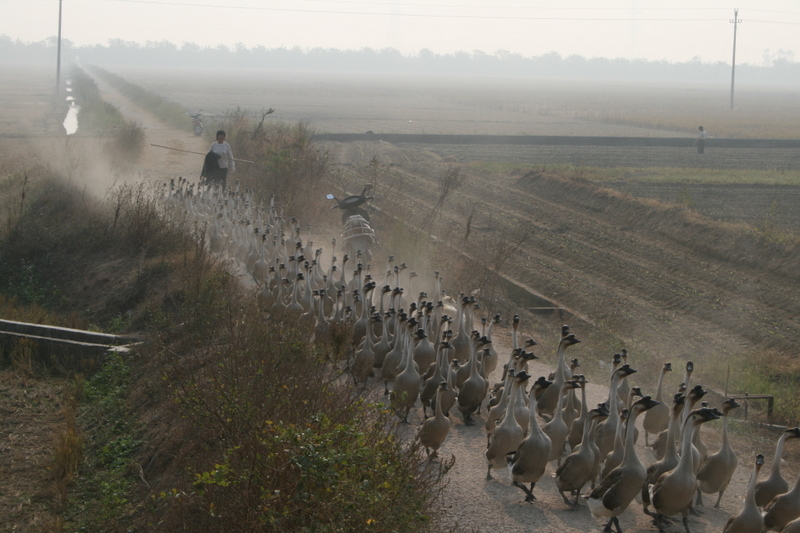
218	160
700	142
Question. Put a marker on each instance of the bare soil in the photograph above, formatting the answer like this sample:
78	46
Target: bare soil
670	283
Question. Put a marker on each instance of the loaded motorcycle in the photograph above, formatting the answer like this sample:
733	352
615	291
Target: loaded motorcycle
357	233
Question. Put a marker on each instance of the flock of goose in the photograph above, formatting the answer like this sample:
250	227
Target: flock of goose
426	353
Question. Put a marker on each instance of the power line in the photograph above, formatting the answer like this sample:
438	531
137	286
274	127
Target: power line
415	15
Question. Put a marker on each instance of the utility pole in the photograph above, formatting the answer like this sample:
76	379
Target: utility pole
58	59
736	20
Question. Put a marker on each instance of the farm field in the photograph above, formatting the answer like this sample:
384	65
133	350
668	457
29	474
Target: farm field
665	267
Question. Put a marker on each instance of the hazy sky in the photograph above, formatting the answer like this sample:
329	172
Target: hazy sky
676	30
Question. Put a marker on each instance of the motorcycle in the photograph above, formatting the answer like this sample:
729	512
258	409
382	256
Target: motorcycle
357	234
351	205
197	124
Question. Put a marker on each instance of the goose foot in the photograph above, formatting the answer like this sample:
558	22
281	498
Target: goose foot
529	497
608	529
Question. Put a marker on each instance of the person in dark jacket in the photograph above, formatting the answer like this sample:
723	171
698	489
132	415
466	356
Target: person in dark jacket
217	162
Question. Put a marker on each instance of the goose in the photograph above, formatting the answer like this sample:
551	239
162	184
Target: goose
496	412
508	435
616	491
490	361
432	379
749	519
571	404
472	392
406	384
547	403
775	484
700	446
607	432
614	457
717	471
529	461
673	492
624	387
670	459
557	429
465	369
433	431
461	341
514	346
692	397
424	351
782	509
389	369
384	344
576	429
575	470
656	419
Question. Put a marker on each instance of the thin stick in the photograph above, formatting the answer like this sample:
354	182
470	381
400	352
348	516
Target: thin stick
193	152
727	378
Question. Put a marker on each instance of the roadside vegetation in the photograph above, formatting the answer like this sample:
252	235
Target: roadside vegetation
217	419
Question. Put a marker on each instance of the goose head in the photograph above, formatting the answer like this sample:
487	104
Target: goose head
528	356
667	367
759	461
696	394
624	355
564	331
522	376
729	405
569	340
625	370
496	319
793	433
541	383
636	392
530	342
643	404
574	364
704	414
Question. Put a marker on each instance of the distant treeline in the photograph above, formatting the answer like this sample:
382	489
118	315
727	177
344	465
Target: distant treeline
500	63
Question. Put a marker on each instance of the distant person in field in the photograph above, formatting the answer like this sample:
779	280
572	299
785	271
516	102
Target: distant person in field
700	142
218	160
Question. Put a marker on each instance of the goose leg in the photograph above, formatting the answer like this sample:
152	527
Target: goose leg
686	522
716	505
489	473
616	523
699	500
646	443
564	496
577	499
528	492
659	522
